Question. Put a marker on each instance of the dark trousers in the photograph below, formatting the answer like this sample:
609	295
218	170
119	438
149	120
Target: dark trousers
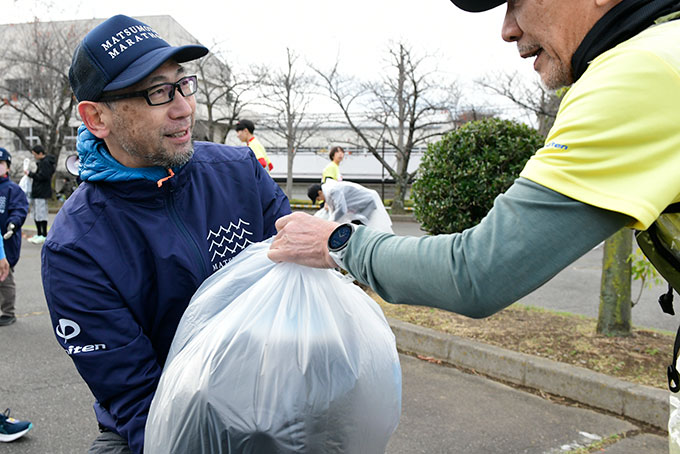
109	443
8	291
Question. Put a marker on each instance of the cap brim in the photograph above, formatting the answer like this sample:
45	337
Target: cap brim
477	6
150	61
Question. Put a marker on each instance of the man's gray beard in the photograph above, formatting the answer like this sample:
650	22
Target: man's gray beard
160	158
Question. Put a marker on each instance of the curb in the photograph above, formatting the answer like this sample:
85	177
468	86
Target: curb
641	403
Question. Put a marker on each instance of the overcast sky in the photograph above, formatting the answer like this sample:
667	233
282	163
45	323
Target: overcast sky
357	32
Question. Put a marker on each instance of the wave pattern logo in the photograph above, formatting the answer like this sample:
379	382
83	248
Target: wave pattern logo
228	241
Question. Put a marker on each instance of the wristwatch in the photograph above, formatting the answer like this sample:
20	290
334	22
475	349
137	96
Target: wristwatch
337	242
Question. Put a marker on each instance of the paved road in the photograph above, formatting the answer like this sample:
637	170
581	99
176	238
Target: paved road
444	410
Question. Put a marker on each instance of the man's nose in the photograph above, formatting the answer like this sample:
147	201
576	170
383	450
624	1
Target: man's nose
511	32
181	106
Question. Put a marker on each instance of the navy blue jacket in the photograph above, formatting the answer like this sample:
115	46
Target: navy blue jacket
13	208
123	259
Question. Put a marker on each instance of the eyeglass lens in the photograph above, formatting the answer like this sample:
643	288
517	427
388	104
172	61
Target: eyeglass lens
163	93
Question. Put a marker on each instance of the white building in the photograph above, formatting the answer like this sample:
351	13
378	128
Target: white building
359	164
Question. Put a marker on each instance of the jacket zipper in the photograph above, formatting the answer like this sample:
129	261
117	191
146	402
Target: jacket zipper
172	210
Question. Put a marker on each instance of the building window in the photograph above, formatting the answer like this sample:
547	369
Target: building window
18	86
70	138
31	135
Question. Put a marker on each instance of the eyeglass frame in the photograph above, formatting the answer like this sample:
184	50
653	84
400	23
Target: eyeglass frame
145	93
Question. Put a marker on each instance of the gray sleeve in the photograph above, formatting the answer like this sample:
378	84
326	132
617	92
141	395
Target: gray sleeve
530	235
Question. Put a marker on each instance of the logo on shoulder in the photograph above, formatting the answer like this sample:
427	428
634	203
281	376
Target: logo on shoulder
556	145
67	330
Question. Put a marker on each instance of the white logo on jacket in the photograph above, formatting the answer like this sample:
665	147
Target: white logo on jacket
232	239
67	330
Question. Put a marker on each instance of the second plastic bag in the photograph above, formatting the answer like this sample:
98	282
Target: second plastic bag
277	358
351	202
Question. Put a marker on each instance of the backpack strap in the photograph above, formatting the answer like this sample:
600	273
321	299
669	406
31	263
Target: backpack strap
666	300
672	208
672	372
670	258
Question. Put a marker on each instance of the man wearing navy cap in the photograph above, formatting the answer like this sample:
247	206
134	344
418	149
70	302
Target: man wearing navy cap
610	161
156	215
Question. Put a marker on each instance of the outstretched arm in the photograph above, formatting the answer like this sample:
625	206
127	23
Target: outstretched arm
530	235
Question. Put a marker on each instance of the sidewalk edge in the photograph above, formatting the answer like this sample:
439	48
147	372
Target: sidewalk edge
641	403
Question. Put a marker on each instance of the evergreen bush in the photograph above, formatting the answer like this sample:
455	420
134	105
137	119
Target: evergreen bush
461	175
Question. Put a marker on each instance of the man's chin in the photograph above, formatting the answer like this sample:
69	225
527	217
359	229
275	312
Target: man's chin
183	158
555	82
178	158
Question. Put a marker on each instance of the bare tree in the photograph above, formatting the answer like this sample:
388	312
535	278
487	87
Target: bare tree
222	94
288	93
35	90
532	97
406	108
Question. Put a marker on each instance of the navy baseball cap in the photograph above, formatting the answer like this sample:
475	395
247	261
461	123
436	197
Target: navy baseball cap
5	156
118	53
477	6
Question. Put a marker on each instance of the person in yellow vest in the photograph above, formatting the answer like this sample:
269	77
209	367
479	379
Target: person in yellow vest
610	161
332	170
244	132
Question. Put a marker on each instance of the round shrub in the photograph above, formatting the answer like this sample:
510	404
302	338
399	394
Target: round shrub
461	175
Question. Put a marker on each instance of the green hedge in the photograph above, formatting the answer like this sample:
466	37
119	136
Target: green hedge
461	175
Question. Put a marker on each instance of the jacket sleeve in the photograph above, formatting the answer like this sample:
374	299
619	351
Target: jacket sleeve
530	235
274	202
17	209
107	345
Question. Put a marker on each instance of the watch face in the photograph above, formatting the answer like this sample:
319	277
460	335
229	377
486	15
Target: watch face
339	237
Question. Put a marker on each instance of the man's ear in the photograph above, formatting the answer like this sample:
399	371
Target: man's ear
93	115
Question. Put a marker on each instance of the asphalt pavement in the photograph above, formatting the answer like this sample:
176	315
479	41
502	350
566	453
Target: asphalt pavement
444	409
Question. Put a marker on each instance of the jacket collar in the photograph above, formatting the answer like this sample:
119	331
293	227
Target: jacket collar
621	23
97	164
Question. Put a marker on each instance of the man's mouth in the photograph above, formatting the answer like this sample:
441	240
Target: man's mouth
178	134
533	52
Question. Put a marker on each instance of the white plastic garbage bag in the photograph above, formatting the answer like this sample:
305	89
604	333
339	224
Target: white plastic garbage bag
347	202
277	358
26	184
674	426
323	213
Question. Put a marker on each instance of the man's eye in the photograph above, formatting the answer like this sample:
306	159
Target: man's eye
158	91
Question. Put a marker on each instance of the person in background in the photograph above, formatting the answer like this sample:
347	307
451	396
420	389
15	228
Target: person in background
155	215
332	170
609	162
13	211
244	132
41	191
344	201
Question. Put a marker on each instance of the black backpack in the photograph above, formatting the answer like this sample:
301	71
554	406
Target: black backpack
661	245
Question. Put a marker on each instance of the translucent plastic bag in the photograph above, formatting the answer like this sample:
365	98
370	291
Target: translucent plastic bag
349	202
323	213
277	358
26	184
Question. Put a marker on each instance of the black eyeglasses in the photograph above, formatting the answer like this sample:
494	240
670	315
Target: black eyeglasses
160	94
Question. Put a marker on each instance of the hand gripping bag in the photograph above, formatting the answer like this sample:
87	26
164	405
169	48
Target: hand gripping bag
277	358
